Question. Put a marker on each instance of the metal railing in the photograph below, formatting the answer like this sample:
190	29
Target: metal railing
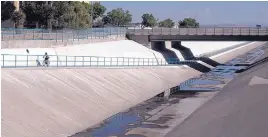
199	31
18	61
61	35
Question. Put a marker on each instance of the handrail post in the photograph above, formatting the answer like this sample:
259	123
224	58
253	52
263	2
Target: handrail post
78	34
33	33
123	61
74	61
111	61
104	61
15	61
57	61
13	33
3	60
143	62
42	34
97	61
27	61
56	35
117	61
73	34
66	61
127	61
90	61
83	61
62	35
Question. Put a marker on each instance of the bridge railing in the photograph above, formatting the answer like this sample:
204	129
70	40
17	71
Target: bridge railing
200	31
22	61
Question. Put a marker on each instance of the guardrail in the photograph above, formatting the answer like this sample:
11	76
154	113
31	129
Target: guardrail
61	35
18	61
199	31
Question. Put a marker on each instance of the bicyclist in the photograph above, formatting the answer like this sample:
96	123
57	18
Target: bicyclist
46	57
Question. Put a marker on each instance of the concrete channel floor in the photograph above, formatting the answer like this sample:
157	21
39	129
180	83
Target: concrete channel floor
239	110
154	118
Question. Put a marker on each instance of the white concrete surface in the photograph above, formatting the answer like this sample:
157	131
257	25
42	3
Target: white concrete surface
48	102
51	102
208	46
202	47
130	50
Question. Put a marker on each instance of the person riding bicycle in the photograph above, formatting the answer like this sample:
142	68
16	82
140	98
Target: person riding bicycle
46	57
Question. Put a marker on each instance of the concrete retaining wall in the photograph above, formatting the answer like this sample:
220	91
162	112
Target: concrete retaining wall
52	43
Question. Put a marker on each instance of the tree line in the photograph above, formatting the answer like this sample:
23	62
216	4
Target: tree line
76	14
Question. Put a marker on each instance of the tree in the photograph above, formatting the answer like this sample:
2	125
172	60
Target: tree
81	18
33	11
188	22
19	18
168	23
7	9
98	10
58	14
148	20
118	17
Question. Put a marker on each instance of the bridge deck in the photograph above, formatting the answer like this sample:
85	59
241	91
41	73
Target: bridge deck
199	31
207	34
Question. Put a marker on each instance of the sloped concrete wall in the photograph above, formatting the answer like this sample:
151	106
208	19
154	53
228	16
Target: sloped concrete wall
61	102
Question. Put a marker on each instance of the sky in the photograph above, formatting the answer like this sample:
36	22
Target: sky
206	13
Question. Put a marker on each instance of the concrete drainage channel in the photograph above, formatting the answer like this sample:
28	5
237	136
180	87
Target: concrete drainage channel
160	114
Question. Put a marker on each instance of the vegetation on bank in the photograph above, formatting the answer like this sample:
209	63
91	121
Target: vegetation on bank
76	14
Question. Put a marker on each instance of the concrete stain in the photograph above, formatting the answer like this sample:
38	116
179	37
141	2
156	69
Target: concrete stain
119	124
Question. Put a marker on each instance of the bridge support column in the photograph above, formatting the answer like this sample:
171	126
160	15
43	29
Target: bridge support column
158	45
176	44
185	52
